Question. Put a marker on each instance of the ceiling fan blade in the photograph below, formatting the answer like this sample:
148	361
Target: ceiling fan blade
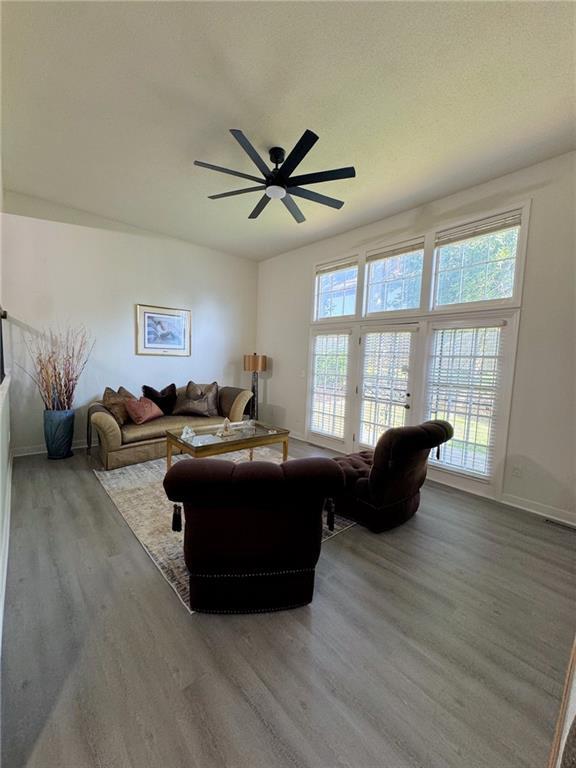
316	197
226	170
299	152
262	203
293	208
316	178
250	151
236	192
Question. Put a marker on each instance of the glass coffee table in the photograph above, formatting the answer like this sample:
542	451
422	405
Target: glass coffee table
206	442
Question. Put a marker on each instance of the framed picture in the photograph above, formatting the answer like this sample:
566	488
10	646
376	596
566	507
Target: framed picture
162	331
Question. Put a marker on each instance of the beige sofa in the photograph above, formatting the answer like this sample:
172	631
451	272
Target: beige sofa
133	443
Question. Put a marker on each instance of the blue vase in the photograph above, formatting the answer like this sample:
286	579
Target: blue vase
58	433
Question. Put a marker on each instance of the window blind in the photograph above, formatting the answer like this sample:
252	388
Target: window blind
480	227
336	291
394	278
322	269
329	384
464	379
385	373
396	250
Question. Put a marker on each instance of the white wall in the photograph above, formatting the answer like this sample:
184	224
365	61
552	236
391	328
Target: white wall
541	431
93	273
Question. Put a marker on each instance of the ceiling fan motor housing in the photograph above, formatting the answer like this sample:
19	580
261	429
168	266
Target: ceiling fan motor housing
277	155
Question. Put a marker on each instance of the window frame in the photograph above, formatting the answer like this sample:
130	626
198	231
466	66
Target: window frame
352	259
485	305
319	438
456	477
372	255
361	257
457	315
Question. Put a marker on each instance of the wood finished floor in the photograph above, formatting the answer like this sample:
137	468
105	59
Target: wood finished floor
442	643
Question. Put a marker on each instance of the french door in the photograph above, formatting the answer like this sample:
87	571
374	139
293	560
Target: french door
385	374
361	384
369	378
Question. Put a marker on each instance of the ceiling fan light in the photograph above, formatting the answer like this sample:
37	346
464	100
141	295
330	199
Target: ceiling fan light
275	192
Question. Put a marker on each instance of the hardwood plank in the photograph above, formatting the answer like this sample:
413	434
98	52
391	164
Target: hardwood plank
440	644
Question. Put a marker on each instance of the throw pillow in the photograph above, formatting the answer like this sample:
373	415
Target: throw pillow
197	400
165	399
115	402
143	410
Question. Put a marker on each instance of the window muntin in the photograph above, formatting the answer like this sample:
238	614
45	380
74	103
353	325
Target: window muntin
336	292
476	269
464	372
329	384
394	282
384	386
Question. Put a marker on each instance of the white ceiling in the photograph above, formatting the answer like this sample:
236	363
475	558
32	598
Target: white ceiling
106	105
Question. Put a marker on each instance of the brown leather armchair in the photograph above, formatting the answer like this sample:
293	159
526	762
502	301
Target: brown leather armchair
382	487
252	531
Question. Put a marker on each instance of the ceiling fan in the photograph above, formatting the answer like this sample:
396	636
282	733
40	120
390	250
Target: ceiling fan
278	183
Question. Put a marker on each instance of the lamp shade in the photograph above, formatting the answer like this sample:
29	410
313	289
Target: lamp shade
255	363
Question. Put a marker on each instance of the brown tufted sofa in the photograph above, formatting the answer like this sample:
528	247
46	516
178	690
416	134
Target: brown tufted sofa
133	443
382	487
252	531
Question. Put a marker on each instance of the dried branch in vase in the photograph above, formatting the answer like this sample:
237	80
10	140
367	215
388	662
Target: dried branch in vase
59	359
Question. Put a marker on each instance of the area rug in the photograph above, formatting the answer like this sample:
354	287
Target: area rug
138	494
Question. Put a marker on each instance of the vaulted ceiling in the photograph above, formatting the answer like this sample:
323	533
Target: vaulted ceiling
106	105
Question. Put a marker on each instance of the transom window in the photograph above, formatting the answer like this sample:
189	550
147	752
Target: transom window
476	262
394	281
336	292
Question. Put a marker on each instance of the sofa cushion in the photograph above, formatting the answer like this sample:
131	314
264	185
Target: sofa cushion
143	410
226	399
165	399
134	433
197	400
115	403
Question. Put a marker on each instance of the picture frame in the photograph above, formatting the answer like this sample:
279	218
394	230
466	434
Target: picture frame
163	331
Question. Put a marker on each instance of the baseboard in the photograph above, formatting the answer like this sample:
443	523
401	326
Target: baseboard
36	450
304	439
565	516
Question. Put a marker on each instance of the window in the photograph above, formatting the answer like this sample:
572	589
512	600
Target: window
463	384
476	262
395	280
329	384
385	372
423	328
336	292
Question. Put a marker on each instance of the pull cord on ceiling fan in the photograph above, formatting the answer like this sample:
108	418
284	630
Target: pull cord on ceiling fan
278	183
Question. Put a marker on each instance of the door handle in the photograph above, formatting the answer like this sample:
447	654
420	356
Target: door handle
407	406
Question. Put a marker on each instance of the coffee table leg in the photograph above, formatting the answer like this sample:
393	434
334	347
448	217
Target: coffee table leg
251	454
285	450
168	455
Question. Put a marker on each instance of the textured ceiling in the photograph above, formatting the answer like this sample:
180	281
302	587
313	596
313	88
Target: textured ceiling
106	105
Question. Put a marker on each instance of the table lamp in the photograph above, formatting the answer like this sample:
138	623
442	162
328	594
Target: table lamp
255	364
